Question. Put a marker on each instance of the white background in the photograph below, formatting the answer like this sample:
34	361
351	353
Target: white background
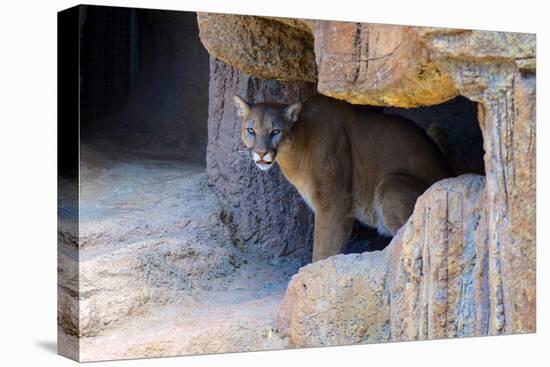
28	181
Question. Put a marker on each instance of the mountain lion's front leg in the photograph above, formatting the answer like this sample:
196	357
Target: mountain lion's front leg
332	231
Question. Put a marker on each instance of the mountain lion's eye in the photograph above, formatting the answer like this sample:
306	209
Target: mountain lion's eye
275	132
250	130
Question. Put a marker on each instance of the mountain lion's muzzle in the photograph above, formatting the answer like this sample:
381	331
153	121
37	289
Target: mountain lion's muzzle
264	159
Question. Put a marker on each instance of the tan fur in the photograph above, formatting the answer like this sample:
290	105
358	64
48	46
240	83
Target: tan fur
346	164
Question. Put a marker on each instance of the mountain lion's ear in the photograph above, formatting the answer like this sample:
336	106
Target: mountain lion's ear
243	108
292	111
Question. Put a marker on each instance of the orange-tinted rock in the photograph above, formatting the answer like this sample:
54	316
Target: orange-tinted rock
341	300
439	265
378	65
262	47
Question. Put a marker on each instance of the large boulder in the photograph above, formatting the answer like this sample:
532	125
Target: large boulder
263	47
378	65
440	265
338	301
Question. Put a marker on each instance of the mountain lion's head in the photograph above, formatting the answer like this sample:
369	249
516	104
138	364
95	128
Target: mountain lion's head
264	126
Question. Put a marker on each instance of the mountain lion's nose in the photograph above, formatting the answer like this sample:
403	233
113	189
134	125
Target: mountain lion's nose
261	153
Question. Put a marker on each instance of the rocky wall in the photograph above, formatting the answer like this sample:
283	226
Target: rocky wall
260	207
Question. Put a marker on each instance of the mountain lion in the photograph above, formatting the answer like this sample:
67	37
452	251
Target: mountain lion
346	164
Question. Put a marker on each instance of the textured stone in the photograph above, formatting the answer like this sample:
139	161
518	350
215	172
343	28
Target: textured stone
506	113
508	118
439	265
341	300
266	48
378	65
305	25
483	45
172	331
262	207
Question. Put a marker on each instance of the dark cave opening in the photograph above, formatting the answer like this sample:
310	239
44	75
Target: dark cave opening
144	83
455	128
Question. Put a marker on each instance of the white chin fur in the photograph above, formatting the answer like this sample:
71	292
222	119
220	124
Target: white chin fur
263	166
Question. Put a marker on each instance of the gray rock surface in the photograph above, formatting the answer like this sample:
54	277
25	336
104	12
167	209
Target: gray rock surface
158	274
263	208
